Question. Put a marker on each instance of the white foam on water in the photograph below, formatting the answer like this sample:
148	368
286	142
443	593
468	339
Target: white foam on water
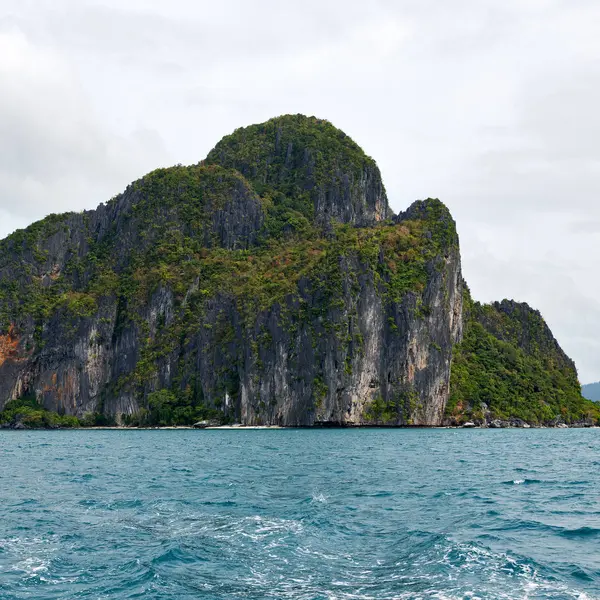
319	497
320	554
31	557
31	566
502	577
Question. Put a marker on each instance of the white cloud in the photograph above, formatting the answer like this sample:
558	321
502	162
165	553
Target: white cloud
55	155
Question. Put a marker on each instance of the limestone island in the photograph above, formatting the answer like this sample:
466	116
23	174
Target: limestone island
268	285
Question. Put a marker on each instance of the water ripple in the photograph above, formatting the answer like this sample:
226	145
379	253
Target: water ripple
333	514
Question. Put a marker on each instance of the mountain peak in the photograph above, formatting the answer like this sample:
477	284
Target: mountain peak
307	166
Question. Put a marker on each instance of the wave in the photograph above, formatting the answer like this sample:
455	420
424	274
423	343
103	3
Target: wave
421	565
336	523
525	482
580	532
540	527
270	558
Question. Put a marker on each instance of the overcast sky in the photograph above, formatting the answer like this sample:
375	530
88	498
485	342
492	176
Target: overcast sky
494	107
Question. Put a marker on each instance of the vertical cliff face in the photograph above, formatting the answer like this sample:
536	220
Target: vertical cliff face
69	284
321	331
269	284
346	350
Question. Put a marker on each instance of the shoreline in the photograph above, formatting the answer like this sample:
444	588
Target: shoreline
281	427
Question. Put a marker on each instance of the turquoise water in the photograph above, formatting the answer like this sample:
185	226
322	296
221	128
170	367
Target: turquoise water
304	514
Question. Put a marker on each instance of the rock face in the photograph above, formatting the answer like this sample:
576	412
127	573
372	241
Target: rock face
268	285
235	285
318	168
75	337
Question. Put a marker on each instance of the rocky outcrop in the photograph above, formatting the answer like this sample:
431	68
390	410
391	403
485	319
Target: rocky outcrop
268	285
321	171
342	355
510	371
519	324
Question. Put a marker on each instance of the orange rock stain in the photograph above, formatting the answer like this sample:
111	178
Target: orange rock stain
9	345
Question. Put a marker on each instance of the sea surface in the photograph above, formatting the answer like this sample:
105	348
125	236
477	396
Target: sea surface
304	514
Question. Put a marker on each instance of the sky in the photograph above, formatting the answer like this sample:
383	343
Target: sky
493	107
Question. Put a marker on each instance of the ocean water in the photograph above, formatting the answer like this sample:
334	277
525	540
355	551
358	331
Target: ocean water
304	514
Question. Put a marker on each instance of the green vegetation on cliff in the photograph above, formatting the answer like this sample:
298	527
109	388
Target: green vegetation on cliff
27	413
207	235
264	267
307	171
166	238
271	277
165	408
509	366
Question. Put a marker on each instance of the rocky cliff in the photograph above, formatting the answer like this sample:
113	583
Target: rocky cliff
509	369
269	284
